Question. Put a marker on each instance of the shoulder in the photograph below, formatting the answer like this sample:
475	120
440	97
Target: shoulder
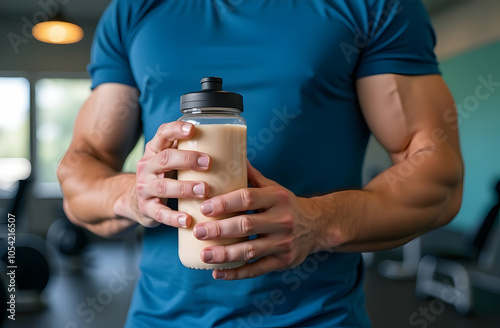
129	12
121	17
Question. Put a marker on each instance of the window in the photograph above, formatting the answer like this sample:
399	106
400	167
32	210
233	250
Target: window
57	104
14	131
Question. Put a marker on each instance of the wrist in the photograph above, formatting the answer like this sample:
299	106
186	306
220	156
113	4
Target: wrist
125	205
335	222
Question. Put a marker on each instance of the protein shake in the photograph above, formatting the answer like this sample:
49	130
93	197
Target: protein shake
221	133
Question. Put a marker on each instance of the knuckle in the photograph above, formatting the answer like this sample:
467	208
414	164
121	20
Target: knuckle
287	245
141	164
217	230
161	187
221	203
250	252
254	272
246	225
282	195
161	130
164	157
183	191
158	216
287	223
149	146
140	187
226	205
247	198
225	254
190	160
285	261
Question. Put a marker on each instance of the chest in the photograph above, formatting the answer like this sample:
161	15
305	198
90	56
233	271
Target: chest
290	45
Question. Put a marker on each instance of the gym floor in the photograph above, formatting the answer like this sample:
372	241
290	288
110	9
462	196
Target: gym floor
111	271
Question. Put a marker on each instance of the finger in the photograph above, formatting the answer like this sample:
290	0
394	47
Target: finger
172	188
256	179
251	270
243	200
158	212
244	225
174	159
244	251
167	134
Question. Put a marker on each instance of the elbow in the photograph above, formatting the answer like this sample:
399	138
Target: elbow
69	214
453	199
69	206
453	205
62	173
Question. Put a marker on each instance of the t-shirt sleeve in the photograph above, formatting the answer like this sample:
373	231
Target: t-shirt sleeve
109	60
400	40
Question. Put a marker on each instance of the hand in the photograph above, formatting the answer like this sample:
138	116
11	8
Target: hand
155	179
284	224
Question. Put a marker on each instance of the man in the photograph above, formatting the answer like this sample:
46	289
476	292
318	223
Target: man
317	76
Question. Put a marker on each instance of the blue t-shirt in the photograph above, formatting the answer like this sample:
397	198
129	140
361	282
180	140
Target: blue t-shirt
296	63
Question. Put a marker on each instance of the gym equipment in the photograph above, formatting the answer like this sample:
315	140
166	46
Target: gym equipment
32	271
405	269
69	241
33	268
477	265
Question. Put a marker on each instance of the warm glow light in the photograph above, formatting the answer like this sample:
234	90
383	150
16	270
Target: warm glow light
57	32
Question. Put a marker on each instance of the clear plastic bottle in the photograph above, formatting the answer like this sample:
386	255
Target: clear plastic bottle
220	132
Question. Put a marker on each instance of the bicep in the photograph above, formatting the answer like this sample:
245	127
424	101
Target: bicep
409	114
108	124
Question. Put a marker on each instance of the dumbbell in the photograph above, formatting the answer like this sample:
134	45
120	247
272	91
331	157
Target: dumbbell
69	241
32	270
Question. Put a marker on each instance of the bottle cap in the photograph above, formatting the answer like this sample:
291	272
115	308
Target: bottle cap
211	95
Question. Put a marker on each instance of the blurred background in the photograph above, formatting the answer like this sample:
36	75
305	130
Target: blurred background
70	278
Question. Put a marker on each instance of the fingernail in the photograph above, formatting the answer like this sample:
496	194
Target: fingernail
186	128
203	161
182	219
219	274
207	208
199	189
200	232
207	256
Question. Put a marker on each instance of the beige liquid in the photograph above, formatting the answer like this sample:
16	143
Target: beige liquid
226	144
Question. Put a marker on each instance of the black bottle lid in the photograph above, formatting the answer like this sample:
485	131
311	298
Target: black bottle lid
211	95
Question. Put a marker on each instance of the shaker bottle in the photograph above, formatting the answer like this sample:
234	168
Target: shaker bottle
220	133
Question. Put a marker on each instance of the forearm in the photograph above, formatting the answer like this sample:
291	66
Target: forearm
91	189
419	194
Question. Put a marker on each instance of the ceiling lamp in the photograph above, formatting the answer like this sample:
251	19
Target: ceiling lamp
57	30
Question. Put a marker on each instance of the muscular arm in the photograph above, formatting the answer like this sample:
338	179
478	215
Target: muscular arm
106	130
422	190
107	202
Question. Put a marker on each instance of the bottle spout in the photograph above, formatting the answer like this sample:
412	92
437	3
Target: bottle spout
211	83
